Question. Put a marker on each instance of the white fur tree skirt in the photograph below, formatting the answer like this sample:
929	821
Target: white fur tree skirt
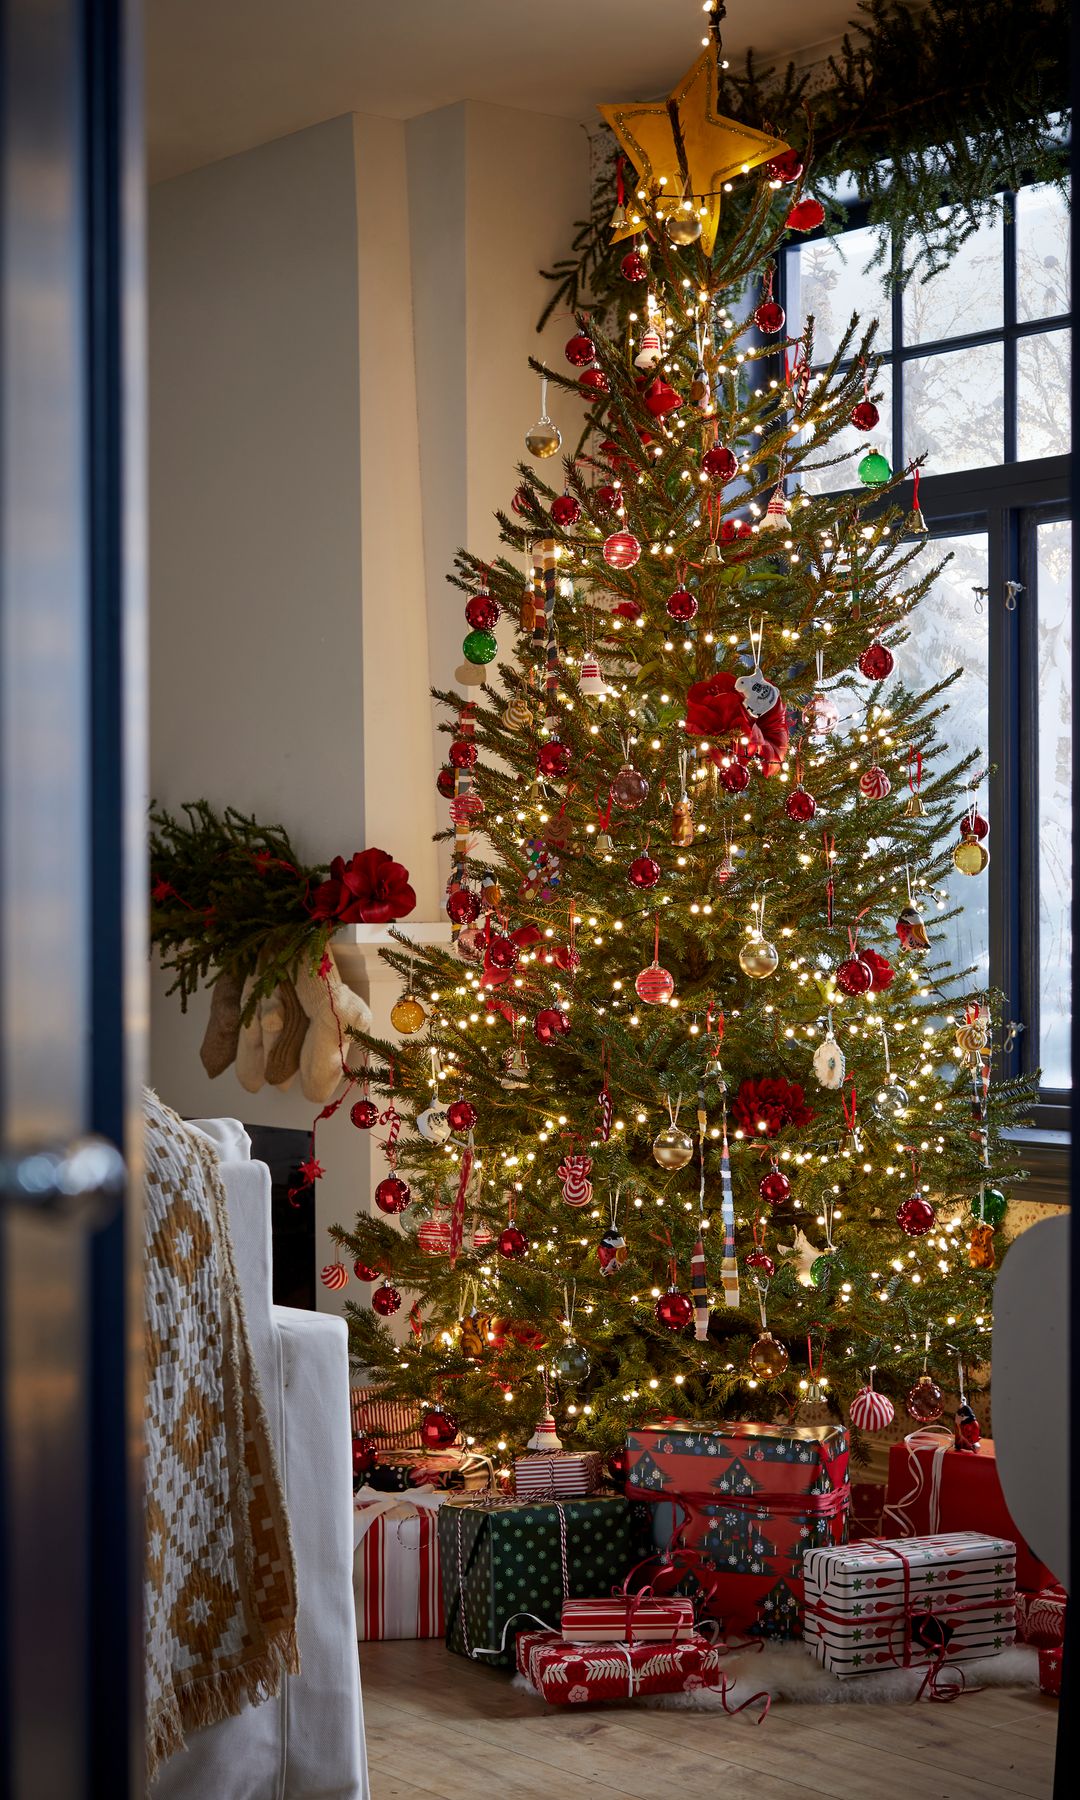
786	1672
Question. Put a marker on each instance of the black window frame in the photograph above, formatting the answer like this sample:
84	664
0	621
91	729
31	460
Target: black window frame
1005	501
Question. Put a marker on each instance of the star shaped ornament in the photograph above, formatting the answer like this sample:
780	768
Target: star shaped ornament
714	150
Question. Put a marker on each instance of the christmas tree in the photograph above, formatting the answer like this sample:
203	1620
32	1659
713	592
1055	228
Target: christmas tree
695	1117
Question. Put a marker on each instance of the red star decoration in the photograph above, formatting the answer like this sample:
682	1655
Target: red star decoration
325	966
312	1170
160	891
262	860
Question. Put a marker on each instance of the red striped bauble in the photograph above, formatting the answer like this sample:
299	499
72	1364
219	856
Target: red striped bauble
655	985
335	1275
871	1411
433	1237
621	550
482	1235
875	784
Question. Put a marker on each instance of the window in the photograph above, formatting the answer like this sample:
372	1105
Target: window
975	378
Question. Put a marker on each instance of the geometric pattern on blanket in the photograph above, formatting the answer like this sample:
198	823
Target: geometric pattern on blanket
219	1577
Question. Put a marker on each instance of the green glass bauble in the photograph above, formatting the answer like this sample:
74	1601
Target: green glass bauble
989	1206
570	1363
874	469
819	1270
481	647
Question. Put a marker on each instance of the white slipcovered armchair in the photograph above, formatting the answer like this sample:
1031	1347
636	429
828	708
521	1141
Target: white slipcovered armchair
308	1744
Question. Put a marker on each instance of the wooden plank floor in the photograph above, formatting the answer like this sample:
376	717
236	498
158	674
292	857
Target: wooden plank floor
440	1728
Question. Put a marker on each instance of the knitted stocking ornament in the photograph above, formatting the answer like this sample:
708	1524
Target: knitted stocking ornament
320	1059
285	1020
223	1026
250	1057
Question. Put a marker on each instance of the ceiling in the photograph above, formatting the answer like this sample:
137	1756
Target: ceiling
224	75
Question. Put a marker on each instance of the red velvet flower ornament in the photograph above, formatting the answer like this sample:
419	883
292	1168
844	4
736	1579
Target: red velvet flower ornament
369	889
881	969
715	709
768	1103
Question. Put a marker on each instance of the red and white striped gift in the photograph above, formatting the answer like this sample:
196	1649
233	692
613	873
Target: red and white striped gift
558	1474
396	1580
628	1619
396	1423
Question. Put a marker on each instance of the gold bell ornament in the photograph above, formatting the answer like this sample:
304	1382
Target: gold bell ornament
913	807
916	524
543	438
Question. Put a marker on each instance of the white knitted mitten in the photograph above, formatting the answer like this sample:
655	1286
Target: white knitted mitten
320	1059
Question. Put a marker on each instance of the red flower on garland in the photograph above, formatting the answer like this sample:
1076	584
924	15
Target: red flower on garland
369	889
768	1103
716	709
882	968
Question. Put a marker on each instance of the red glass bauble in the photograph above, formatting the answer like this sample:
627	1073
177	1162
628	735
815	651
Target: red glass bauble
461	1115
618	1466
566	510
785	168
915	1216
463	906
854	976
655	985
761	1261
463	753
674	1310
482	611
385	1300
553	758
580	350
364	1271
438	1429
806	215
770	317
876	661
392	1194
865	416
634	266
644	871
720	463
550	1024
925	1401
735	777
681	606
364	1114
524	500
621	550
445	783
974	825
800	805
503	953
513	1243
774	1187
594	381
365	1454
604	497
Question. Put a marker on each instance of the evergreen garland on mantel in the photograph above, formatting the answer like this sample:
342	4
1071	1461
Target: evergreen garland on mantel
928	114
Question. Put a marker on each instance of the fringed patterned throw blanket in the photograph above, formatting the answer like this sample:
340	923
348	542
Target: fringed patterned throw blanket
220	1581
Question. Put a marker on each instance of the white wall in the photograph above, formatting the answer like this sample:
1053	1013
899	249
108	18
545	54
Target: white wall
339	327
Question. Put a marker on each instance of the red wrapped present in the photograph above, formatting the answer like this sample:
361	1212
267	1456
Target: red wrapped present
579	1675
1040	1618
1050	1672
934	1488
867	1503
752	1498
630	1619
396	1577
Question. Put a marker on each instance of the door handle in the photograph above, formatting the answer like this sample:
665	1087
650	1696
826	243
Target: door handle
80	1182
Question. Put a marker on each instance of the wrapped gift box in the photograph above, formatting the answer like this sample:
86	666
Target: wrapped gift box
1050	1672
749	1500
636	1618
464	1471
557	1474
867	1505
577	1674
1040	1618
909	1603
509	1563
396	1565
933	1487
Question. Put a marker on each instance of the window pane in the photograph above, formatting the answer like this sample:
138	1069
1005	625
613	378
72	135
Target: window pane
1054	575
948	633
826	278
966	296
1042	394
1042	253
854	445
954	409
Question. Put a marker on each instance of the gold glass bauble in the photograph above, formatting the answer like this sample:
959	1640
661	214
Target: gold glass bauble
543	439
683	228
673	1147
970	857
407	1015
768	1358
758	958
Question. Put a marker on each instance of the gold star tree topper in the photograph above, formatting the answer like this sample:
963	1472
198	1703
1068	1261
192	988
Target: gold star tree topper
684	150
